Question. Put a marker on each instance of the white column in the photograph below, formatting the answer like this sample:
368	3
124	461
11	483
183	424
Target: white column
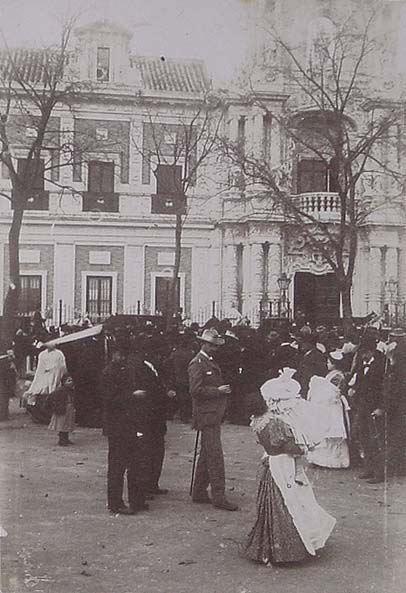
257	281
392	264
230	273
274	270
133	278
202	283
391	273
246	278
64	280
375	279
253	280
402	274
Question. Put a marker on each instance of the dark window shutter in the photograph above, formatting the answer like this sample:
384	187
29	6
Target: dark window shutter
169	179
312	176
107	178
101	177
37	167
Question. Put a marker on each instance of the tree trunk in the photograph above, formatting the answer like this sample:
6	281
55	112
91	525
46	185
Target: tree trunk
345	291
10	308
173	291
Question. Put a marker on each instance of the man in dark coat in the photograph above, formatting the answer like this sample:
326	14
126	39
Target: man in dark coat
156	395
369	403
312	362
127	420
209	397
178	362
229	360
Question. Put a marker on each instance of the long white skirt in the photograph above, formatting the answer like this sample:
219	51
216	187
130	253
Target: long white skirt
331	452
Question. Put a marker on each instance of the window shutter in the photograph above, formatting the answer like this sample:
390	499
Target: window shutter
169	179
37	168
101	177
107	178
312	176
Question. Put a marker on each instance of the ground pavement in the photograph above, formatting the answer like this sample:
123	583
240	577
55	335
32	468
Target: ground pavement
61	539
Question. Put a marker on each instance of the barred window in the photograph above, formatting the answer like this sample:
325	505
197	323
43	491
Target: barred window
30	294
99	296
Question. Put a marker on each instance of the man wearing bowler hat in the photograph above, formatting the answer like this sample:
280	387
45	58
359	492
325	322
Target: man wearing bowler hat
209	398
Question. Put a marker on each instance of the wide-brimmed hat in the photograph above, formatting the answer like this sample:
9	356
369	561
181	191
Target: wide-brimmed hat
230	334
212	337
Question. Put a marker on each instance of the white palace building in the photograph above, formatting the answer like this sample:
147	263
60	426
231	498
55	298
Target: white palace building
97	240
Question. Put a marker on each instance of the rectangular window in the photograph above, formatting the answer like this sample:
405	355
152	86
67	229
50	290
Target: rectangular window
103	64
169	198
30	295
311	176
36	172
38	198
101	177
99	296
168	179
162	293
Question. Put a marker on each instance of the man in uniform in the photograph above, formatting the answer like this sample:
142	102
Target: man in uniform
209	398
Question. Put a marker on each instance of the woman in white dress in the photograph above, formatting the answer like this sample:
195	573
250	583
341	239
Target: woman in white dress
331	410
48	375
290	525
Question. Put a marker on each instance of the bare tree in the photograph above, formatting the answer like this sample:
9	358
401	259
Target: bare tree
33	84
330	117
177	153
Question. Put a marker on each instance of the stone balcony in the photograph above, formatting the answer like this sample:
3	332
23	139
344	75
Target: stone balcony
324	206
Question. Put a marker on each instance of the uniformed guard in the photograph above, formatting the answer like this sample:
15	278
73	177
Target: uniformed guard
209	398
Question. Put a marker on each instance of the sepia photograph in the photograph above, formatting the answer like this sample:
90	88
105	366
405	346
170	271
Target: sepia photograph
202	296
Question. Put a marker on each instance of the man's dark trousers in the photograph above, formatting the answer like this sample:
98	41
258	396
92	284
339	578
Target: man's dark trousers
127	453
210	465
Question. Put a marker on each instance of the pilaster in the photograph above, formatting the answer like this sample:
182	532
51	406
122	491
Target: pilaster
64	278
274	270
133	278
375	279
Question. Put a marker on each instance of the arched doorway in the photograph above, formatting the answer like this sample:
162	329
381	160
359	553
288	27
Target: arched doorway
317	297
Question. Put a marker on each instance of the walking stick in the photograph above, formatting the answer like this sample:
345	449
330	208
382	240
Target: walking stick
194	462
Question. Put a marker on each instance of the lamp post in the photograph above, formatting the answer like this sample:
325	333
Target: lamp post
284	283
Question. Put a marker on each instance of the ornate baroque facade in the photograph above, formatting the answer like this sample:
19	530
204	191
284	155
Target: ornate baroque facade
80	255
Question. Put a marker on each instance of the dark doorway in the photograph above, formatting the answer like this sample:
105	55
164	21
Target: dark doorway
317	297
162	291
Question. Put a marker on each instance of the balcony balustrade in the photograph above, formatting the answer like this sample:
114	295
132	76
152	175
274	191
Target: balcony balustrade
321	205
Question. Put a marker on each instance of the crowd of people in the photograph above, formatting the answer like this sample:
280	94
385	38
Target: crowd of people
309	394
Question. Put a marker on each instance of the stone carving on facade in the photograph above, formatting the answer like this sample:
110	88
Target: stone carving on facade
303	255
298	242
